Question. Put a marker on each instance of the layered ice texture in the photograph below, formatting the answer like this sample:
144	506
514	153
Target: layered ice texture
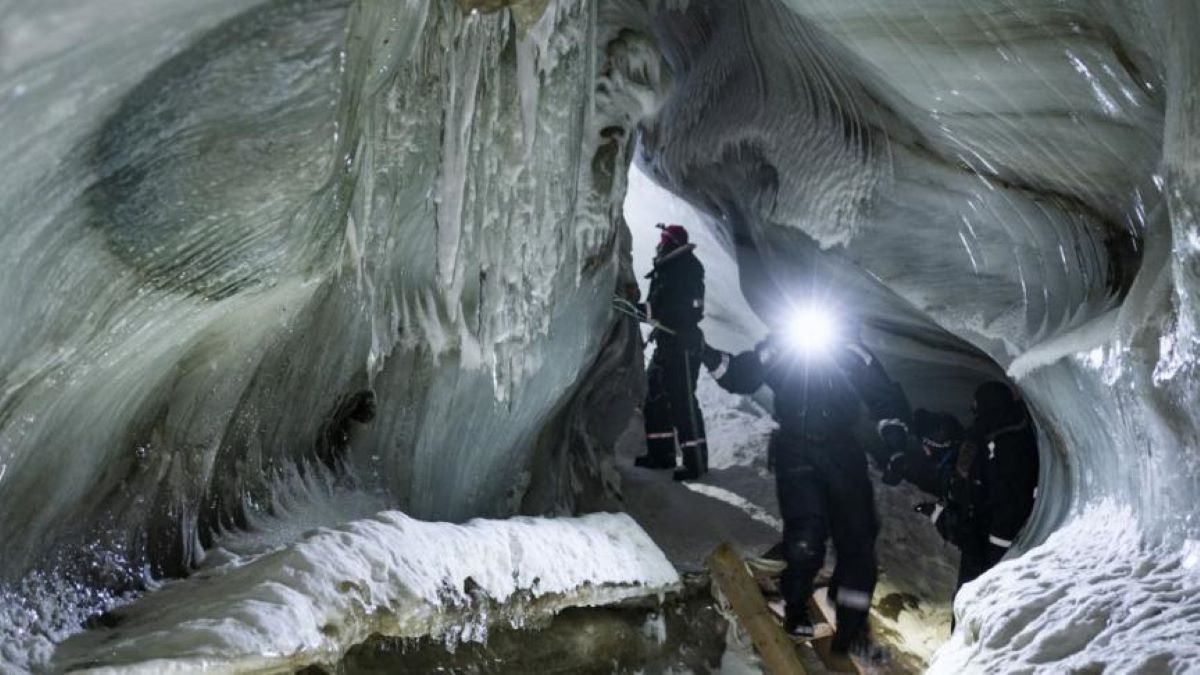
271	266
1022	175
388	575
371	241
284	264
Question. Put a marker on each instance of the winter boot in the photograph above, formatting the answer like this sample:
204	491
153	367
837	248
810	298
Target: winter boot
863	650
853	639
797	623
660	451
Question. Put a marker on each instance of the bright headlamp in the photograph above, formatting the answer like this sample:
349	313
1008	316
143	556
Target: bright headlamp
811	330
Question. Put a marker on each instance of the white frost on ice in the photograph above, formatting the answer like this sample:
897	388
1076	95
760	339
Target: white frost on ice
1094	598
655	628
389	574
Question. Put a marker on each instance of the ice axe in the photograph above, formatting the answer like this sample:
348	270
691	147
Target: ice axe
629	309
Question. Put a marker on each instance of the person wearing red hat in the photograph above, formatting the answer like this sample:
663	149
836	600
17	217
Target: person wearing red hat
675	305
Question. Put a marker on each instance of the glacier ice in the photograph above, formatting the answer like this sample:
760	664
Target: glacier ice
258	247
386	575
1021	173
356	256
228	250
1095	596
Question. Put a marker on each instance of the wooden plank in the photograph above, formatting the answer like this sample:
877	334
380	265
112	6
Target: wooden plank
746	599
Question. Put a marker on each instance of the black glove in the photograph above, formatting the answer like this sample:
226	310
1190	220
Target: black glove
692	340
894	437
893	473
711	358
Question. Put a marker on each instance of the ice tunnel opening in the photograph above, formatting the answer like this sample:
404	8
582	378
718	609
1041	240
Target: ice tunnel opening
1040	227
938	371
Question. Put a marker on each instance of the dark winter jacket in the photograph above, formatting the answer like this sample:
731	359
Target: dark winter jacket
930	464
1009	460
676	298
932	474
817	397
993	495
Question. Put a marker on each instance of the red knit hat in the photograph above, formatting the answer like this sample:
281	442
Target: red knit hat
673	236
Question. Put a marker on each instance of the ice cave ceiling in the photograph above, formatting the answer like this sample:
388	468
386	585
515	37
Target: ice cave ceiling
260	255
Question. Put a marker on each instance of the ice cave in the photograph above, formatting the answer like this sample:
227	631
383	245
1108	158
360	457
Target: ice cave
309	360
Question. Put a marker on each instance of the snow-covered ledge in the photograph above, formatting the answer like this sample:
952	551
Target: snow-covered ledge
389	575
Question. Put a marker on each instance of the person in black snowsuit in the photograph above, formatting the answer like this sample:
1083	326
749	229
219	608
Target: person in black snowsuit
994	485
675	306
820	470
929	467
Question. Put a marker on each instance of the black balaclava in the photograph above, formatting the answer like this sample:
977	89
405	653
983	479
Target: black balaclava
938	432
995	406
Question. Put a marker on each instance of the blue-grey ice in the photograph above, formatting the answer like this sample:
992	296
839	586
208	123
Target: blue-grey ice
282	276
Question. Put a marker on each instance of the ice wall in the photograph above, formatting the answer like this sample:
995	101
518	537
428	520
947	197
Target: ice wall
251	248
1020	172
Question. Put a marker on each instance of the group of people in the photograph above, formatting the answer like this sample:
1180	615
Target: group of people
982	479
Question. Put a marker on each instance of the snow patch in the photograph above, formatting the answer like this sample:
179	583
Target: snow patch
1094	598
389	574
738	429
732	498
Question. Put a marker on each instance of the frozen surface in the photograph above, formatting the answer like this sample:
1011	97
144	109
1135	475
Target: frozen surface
1094	596
389	574
222	224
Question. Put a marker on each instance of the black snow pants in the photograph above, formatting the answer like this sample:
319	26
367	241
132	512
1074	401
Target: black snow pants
671	409
972	563
823	492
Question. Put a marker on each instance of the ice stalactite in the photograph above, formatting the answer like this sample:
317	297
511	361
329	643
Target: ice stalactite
497	281
369	246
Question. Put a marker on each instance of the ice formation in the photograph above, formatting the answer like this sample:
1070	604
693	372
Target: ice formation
1023	174
387	575
391	261
1095	596
254	244
256	254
